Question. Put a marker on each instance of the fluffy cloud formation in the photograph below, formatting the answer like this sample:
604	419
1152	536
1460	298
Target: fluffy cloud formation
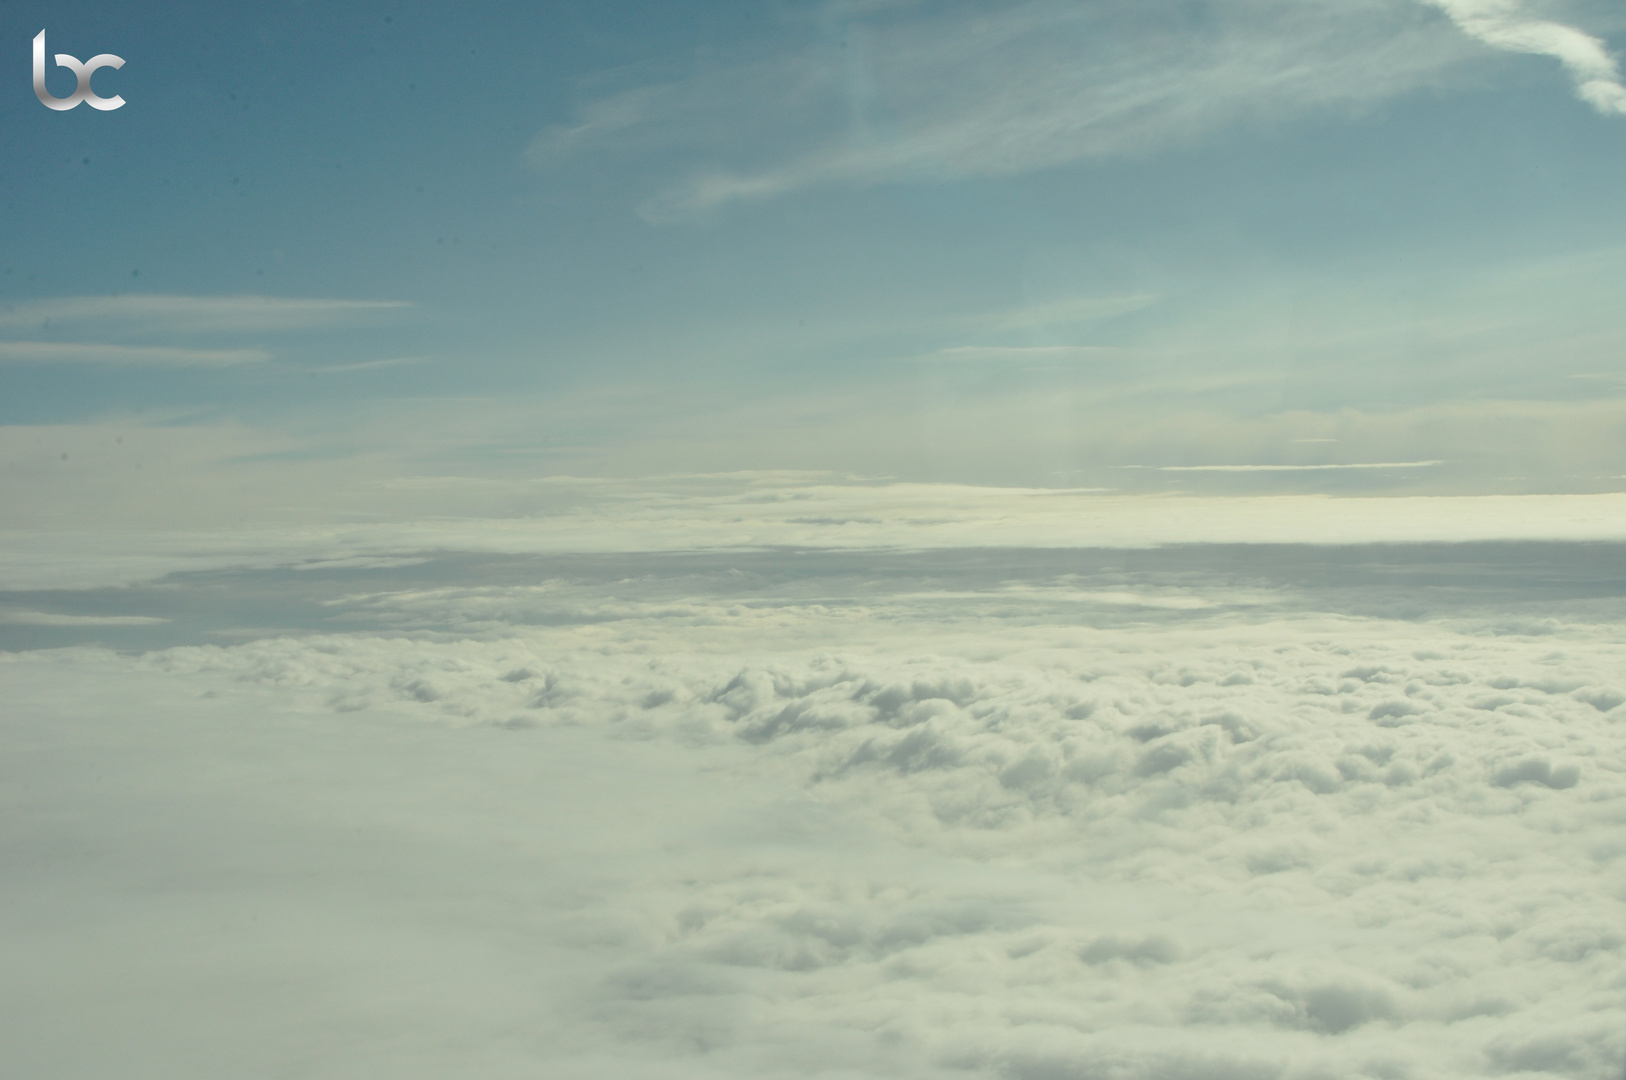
1505	24
753	826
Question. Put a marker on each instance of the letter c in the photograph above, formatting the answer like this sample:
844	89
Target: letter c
85	70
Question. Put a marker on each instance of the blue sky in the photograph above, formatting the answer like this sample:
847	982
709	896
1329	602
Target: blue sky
1145	247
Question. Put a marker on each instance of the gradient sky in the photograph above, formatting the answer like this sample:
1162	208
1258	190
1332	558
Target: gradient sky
1138	246
797	539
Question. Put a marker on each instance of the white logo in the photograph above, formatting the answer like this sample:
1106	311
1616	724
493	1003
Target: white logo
83	71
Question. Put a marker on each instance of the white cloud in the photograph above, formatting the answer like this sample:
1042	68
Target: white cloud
370	365
64	352
20	617
692	833
1070	311
739	511
915	91
1023	354
1506	24
193	314
1291	468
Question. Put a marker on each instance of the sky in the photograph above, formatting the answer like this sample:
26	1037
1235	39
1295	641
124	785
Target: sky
1241	247
860	538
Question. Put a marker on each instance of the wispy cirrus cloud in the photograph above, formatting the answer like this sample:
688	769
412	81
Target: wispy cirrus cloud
1506	24
374	365
19	617
1017	354
1290	468
913	91
1073	310
193	314
998	90
71	352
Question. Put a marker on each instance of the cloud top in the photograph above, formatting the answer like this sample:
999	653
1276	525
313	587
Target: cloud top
754	825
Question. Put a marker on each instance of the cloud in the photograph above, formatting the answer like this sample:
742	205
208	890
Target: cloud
1022	354
917	92
138	312
1504	24
1289	468
19	617
750	824
63	352
370	365
912	91
161	497
1070	311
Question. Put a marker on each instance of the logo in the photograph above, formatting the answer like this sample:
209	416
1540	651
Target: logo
83	71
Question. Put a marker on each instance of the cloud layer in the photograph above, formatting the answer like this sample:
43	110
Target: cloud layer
741	511
971	831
